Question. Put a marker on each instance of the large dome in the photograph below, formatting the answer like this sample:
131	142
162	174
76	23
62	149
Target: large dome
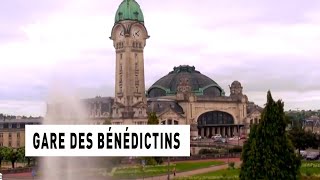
129	10
200	84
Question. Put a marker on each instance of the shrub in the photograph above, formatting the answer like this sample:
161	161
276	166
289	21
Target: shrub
209	151
231	165
236	149
149	160
308	173
159	160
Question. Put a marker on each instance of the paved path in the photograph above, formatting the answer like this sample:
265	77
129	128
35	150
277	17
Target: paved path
192	173
27	176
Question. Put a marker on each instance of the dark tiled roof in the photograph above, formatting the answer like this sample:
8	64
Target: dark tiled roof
27	120
162	105
172	80
252	107
98	99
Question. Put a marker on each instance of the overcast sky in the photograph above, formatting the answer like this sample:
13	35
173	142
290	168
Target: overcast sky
263	44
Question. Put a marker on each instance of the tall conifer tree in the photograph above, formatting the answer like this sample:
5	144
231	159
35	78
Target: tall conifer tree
268	153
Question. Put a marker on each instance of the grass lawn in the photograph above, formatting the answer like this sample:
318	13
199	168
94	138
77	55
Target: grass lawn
148	171
309	170
221	174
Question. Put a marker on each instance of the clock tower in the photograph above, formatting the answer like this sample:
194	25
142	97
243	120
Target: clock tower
129	39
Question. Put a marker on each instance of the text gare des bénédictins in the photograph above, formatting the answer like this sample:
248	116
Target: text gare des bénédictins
110	140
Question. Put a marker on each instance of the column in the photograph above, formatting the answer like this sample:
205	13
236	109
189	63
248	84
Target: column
202	132
229	131
235	130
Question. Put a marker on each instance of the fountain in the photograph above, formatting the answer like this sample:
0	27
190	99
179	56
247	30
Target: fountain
65	108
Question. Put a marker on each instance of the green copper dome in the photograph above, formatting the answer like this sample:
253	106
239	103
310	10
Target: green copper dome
129	10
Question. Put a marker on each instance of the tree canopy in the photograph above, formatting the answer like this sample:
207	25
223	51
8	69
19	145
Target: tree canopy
152	118
11	154
302	139
3	153
269	153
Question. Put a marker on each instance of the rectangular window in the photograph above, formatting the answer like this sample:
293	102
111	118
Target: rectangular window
18	143
9	144
18	135
1	126
10	126
10	135
1	144
1	135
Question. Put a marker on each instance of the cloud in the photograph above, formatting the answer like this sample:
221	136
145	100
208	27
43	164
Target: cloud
22	108
263	44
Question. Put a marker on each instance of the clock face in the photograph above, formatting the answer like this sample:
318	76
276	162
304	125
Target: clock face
136	33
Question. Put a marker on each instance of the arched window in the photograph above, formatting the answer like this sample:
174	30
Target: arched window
215	118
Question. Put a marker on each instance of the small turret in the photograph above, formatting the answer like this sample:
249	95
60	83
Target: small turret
236	88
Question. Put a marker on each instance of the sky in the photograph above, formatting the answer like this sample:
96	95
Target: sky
266	45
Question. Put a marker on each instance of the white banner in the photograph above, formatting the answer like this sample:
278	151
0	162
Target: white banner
107	140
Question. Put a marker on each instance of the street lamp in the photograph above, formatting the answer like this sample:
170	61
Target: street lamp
168	168
239	134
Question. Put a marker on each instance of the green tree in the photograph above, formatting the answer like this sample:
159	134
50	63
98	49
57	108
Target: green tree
250	156
152	118
3	154
269	153
22	155
12	155
302	139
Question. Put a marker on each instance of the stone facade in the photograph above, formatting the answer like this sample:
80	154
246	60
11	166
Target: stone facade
202	111
12	131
